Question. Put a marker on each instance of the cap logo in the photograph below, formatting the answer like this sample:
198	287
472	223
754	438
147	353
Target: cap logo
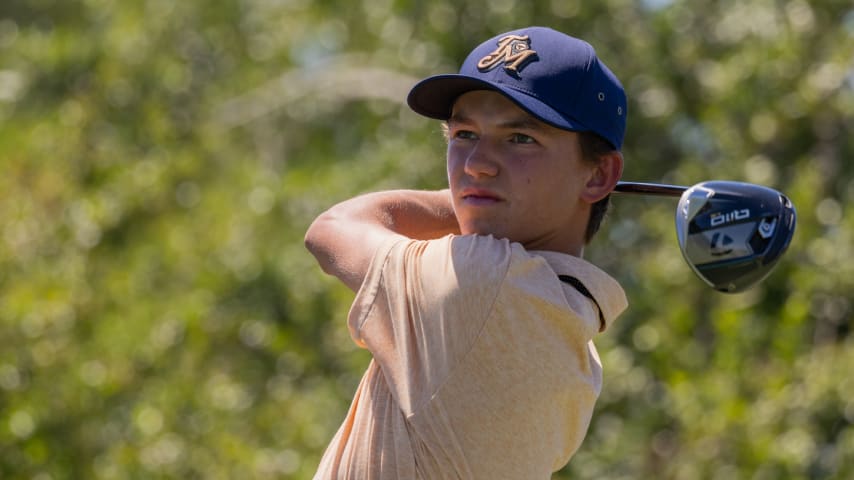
513	50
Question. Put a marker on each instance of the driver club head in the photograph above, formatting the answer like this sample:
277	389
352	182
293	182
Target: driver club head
733	233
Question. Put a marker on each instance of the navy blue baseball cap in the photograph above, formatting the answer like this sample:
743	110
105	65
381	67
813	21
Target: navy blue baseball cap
553	76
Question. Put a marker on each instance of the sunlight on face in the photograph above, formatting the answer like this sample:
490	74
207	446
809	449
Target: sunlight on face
514	176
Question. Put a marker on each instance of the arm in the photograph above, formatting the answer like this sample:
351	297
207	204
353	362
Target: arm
344	238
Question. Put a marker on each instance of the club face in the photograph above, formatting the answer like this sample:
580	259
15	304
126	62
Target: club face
732	233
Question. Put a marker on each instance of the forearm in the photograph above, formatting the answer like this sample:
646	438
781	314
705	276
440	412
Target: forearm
345	237
416	214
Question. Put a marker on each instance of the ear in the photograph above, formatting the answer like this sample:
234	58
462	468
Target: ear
603	177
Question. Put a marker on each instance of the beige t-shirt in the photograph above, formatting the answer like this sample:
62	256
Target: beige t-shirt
483	365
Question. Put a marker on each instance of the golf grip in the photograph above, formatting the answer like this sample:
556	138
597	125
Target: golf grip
650	189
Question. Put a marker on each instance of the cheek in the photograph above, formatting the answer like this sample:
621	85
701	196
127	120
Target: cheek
548	193
452	162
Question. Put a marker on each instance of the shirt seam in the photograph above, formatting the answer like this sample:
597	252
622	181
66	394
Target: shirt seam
375	289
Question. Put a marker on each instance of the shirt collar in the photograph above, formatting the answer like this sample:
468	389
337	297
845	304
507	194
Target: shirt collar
604	288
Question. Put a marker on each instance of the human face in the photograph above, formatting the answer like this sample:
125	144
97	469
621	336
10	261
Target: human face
515	177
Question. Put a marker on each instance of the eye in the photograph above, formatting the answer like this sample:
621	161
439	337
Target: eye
521	138
464	135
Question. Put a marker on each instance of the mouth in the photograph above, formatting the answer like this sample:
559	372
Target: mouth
479	196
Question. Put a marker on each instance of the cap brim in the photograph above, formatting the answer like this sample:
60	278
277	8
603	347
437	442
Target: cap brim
434	97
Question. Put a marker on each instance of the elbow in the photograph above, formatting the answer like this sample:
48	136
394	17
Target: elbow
311	238
314	242
325	239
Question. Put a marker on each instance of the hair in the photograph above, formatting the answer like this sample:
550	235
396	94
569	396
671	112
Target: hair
593	146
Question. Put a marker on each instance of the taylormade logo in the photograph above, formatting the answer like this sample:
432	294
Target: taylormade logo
719	219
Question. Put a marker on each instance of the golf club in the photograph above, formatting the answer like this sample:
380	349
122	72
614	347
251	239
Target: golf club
730	233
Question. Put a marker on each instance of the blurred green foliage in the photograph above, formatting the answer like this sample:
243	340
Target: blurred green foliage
159	317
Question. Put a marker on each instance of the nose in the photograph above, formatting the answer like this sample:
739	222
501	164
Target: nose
481	161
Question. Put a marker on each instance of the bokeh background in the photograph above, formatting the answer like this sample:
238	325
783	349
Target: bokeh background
160	161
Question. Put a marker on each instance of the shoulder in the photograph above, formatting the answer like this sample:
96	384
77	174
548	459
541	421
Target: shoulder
460	275
482	261
460	256
584	283
469	268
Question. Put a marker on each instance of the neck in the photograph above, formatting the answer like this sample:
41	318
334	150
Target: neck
574	247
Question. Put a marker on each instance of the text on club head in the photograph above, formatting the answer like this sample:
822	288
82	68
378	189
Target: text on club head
718	219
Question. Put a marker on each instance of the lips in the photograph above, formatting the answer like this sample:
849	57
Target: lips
480	196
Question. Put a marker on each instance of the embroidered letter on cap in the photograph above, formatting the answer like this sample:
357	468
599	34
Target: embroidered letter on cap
513	50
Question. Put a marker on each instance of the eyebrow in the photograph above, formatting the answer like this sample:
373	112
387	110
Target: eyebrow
524	123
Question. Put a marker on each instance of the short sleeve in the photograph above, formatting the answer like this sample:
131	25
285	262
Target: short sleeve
422	306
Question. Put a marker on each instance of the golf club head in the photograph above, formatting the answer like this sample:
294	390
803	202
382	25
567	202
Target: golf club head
733	233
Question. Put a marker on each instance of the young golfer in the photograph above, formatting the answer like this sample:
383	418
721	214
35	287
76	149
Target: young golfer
475	301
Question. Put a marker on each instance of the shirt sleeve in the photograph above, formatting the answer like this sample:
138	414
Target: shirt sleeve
423	304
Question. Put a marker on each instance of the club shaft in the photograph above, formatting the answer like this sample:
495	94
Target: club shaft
650	189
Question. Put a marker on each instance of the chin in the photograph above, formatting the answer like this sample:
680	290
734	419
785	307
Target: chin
484	230
476	230
484	225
